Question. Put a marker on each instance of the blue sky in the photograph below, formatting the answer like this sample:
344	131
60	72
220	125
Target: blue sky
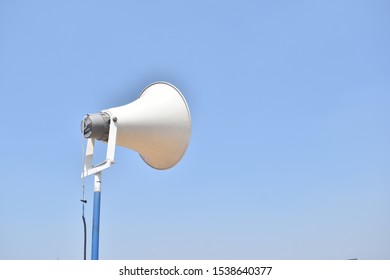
290	150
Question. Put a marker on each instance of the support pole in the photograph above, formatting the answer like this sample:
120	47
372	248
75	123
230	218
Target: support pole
96	217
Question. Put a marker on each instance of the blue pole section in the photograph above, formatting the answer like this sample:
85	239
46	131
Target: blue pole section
96	218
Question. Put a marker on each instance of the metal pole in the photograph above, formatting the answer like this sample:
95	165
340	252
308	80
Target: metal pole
96	217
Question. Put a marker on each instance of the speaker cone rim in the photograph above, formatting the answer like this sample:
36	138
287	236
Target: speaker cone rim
189	124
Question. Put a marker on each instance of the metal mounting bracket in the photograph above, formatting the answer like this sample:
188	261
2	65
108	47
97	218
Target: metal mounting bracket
89	168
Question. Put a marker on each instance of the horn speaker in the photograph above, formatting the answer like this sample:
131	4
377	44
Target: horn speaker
157	125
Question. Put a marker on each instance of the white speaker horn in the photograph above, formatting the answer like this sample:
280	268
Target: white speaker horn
157	125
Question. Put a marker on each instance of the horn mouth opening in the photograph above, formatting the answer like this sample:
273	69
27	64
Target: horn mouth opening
150	161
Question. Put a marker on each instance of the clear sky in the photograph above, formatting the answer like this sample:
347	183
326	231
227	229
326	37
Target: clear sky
290	150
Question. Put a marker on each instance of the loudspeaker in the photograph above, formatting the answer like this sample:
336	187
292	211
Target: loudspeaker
157	125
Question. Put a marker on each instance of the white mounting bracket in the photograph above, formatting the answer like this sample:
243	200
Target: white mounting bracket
89	168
